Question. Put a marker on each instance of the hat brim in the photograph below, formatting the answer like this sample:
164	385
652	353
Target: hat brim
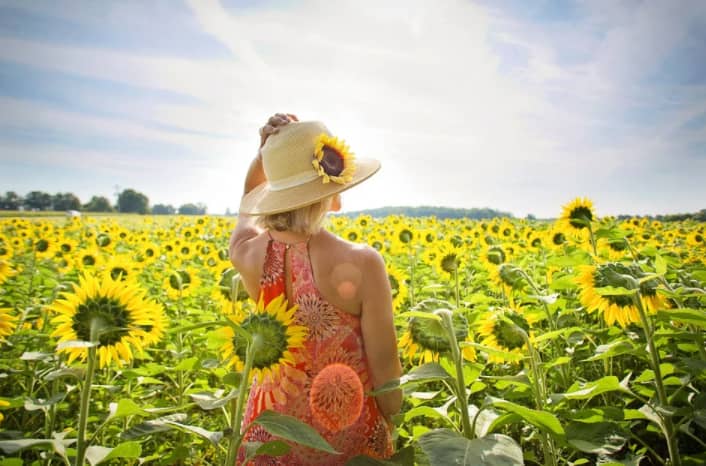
263	201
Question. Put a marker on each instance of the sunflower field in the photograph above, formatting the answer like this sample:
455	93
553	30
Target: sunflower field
129	340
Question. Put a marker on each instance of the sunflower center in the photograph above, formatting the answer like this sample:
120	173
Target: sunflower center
112	315
618	245
118	273
42	245
449	263
272	332
430	334
510	275
405	235
496	255
580	216
331	162
180	280
508	335
88	260
558	238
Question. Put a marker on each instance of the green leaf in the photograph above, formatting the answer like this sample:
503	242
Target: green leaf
187	364
600	438
660	265
555	333
97	454
586	391
543	420
34	405
696	317
444	447
75	344
213	437
57	444
291	428
614	291
125	407
572	259
153	426
424	373
210	401
428	412
271	448
613	349
420	314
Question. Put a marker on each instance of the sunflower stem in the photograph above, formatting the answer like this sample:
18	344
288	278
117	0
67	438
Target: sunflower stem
540	390
593	239
237	412
81	444
413	257
461	396
667	426
458	300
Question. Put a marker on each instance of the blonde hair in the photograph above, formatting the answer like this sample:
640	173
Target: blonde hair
307	219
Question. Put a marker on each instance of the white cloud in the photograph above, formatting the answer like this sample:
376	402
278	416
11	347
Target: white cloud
418	85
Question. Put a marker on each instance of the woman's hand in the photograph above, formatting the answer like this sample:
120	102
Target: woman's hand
274	123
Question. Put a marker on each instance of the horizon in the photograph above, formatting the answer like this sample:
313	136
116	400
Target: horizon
519	106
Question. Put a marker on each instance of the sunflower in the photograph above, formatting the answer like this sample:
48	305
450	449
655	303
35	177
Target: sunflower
128	320
45	246
494	255
7	322
617	308
449	258
333	159
6	250
615	249
577	214
120	268
398	284
696	238
147	253
90	258
3	404
280	339
425	339
507	277
182	282
504	337
6	270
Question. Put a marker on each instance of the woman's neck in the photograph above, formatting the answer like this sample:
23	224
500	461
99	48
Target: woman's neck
287	236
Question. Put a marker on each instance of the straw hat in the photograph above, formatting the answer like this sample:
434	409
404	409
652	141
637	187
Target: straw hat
303	164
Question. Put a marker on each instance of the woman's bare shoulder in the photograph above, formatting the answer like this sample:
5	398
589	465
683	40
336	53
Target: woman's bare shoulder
359	253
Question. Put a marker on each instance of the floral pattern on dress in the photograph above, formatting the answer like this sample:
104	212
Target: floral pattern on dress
334	337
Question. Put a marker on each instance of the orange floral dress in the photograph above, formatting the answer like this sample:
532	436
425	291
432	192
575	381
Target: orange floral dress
334	336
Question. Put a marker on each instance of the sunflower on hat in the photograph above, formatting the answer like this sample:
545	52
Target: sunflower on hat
333	159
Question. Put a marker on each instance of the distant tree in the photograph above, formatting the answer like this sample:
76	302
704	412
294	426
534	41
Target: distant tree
162	209
98	204
65	201
700	216
10	201
37	200
131	201
192	209
531	217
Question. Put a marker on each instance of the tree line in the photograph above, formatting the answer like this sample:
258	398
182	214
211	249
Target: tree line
129	201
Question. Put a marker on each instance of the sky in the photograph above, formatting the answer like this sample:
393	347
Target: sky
515	105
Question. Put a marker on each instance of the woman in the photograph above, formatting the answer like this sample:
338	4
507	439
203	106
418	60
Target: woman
341	291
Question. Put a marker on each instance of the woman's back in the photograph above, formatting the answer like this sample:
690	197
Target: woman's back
334	337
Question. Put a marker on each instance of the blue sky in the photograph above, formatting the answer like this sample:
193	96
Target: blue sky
515	105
